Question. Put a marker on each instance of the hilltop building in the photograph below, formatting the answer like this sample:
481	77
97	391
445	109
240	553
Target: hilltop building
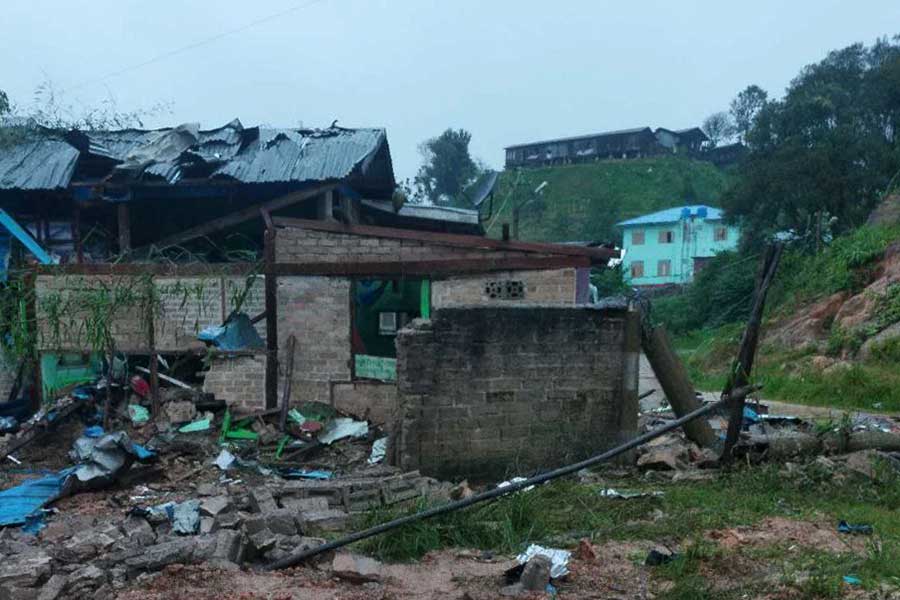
668	247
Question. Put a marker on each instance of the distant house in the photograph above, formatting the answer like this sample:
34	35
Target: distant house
623	144
668	247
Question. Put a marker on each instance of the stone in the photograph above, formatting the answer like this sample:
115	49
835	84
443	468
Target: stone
316	521
282	522
25	570
13	592
661	458
229	546
207	524
180	411
261	542
229	520
89	574
85	545
262	501
214	505
298	505
355	568
53	588
139	530
207	489
536	574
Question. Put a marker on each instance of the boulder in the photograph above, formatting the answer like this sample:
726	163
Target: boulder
25	570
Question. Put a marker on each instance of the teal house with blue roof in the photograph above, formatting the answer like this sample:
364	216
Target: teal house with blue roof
668	247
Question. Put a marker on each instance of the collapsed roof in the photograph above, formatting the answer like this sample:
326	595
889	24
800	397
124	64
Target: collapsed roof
44	159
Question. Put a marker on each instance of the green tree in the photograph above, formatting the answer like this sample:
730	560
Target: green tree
829	146
447	167
745	107
4	102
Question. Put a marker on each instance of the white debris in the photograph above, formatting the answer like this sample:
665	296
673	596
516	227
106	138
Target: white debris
559	559
224	460
379	449
341	428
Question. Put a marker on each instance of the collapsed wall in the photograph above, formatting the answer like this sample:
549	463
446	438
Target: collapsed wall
487	392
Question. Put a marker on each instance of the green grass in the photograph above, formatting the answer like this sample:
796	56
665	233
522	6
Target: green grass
560	513
788	375
584	201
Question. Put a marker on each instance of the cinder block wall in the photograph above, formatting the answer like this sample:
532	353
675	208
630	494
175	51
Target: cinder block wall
239	380
541	287
490	392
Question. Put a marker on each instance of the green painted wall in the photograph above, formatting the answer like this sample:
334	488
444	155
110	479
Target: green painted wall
692	238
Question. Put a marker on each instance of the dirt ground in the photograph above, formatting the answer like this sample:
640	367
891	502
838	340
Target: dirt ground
616	572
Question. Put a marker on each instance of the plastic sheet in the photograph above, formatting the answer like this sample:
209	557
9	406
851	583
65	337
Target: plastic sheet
237	333
559	559
339	429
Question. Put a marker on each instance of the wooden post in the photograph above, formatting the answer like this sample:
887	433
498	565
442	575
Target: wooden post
631	356
76	235
124	227
325	206
288	376
154	369
676	384
743	365
271	297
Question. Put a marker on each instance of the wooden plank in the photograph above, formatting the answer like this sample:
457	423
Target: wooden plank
238	217
743	365
449	239
288	376
124	220
676	384
332	269
271	298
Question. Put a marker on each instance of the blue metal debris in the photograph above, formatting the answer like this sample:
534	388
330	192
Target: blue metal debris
236	334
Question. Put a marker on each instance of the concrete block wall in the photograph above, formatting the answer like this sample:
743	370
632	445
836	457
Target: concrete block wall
541	287
491	392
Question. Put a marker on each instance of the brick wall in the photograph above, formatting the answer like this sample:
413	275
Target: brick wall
239	380
294	244
490	392
186	305
317	311
372	400
541	287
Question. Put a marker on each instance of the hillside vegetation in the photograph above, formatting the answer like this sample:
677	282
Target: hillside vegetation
832	330
584	201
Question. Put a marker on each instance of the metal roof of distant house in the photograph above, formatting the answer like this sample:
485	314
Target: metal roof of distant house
47	160
673	215
583	137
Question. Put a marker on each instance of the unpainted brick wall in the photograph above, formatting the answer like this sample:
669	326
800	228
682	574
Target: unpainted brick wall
294	244
488	392
555	286
187	305
239	380
316	310
372	400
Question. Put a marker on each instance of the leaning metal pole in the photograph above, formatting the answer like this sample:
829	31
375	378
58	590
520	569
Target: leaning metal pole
299	557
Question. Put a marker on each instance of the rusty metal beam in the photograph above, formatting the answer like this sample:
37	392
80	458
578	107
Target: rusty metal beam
271	298
449	239
330	269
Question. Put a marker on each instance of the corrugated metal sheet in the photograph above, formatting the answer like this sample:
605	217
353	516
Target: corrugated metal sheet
280	155
446	214
673	215
252	155
45	164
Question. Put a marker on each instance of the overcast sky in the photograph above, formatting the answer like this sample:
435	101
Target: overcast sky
509	71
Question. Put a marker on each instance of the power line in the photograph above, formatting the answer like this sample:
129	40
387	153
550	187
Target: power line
193	45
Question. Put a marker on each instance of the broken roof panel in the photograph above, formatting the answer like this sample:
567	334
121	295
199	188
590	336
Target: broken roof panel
39	164
245	155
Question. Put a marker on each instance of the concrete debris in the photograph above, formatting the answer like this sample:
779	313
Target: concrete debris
180	411
186	517
355	568
558	558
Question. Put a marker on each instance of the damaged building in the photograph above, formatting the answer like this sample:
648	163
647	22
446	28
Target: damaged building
474	354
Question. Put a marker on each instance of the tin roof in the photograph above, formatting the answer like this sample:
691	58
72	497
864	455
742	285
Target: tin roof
673	215
47	160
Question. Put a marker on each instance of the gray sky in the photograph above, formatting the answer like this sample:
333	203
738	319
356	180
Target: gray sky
509	71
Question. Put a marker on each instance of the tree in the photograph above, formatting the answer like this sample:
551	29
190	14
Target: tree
718	127
4	102
745	107
830	146
447	167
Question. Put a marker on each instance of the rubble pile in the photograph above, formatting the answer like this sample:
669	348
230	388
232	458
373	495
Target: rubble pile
86	511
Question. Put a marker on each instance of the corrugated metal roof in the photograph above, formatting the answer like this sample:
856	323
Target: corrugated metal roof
583	137
430	212
41	164
279	155
246	155
672	215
